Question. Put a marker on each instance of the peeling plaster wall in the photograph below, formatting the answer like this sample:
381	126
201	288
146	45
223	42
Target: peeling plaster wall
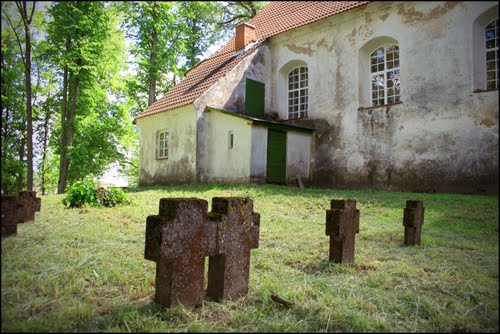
298	156
180	167
229	94
225	164
442	137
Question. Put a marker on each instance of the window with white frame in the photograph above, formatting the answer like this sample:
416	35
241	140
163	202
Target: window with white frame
491	39
384	69
298	93
162	145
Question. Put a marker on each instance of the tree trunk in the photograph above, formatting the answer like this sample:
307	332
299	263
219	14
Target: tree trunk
29	110
20	175
22	6
70	131
63	174
45	139
152	61
5	134
152	71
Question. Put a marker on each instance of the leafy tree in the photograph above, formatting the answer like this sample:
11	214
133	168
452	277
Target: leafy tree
27	18
199	30
85	97
77	34
152	27
232	13
13	101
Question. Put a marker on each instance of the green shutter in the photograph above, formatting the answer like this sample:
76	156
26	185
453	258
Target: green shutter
254	99
276	156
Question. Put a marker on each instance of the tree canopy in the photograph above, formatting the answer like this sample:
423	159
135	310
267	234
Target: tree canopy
76	73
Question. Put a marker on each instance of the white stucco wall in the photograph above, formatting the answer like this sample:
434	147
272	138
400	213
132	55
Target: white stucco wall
180	167
443	136
298	156
225	164
258	163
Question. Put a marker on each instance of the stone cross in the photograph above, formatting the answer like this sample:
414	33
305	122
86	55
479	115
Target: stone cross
176	239
342	224
179	238
237	233
31	203
413	219
18	209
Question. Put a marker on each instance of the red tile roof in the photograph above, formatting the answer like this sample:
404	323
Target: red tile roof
275	18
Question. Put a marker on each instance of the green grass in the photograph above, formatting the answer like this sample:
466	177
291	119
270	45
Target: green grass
83	270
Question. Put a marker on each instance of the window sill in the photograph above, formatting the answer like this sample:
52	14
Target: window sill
161	158
295	119
380	106
485	90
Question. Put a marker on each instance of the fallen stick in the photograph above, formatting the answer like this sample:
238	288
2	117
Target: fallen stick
282	301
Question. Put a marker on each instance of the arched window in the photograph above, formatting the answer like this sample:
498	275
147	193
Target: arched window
485	50
385	79
491	40
298	92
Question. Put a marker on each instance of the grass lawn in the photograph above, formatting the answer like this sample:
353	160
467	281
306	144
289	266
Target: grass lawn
83	270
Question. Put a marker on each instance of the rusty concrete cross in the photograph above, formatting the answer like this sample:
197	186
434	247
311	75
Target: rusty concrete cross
183	233
237	233
18	209
413	219
176	241
342	224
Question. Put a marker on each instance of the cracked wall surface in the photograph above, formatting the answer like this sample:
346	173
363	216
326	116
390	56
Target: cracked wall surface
180	167
442	136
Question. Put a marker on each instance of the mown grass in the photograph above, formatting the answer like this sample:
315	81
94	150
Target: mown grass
83	270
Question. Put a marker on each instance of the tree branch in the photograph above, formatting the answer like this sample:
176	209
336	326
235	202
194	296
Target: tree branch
17	37
32	12
240	16
281	301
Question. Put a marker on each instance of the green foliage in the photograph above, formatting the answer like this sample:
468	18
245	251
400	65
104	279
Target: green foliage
13	100
86	191
111	77
229	14
103	129
111	197
81	193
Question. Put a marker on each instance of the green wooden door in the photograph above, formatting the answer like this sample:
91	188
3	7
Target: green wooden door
276	156
254	99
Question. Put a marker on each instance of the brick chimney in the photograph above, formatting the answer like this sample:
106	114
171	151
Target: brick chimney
245	33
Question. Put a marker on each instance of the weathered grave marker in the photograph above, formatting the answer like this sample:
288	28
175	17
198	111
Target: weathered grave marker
17	210
237	233
183	233
413	219
30	203
176	239
342	224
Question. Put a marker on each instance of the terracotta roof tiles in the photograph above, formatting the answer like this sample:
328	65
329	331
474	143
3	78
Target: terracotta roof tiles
275	18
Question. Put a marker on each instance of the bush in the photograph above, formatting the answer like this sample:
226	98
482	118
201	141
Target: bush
85	192
81	193
111	197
